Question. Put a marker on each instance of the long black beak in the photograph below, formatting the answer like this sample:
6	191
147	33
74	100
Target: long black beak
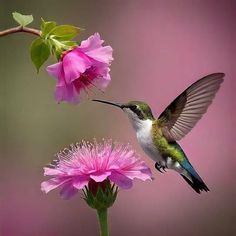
110	103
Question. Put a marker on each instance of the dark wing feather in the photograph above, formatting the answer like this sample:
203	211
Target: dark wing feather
187	109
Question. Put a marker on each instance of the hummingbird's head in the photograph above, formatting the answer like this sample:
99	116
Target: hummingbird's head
137	111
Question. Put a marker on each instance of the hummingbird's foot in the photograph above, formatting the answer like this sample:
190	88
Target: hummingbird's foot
159	167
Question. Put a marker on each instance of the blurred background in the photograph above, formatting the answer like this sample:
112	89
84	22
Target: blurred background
160	48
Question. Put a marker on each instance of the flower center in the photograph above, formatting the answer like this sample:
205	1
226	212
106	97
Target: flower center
86	79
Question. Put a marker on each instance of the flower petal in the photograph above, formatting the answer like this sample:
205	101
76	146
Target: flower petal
74	64
121	180
99	177
102	78
52	171
56	70
51	184
147	171
94	49
93	42
80	181
102	82
68	191
143	174
67	93
102	54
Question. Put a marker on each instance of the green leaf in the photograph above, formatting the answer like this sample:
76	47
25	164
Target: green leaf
23	20
39	52
46	27
64	32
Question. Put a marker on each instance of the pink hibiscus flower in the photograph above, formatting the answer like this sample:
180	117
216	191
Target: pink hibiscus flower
86	163
80	68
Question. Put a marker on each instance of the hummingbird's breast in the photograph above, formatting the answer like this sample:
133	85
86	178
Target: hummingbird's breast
144	135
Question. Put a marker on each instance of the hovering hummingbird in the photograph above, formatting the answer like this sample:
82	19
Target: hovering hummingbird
158	137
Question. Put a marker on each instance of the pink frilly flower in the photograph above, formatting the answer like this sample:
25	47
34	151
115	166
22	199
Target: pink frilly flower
85	163
81	68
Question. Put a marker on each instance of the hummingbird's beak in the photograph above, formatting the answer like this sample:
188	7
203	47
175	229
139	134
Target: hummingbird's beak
110	103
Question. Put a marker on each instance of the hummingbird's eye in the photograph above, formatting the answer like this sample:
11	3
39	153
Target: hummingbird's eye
133	108
137	111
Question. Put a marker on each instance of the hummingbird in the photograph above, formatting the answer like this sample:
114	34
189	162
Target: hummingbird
158	137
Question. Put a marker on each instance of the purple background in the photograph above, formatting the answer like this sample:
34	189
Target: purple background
160	48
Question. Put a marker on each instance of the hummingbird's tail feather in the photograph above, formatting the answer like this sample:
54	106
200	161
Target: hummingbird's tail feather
192	177
197	184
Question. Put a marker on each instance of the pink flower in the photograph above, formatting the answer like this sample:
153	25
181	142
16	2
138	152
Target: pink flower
81	68
85	162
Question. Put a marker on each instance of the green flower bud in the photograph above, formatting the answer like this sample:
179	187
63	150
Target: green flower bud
100	195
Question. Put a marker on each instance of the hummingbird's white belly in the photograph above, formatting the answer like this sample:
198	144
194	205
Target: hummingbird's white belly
144	136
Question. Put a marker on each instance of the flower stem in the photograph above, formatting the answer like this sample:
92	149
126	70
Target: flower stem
102	216
20	29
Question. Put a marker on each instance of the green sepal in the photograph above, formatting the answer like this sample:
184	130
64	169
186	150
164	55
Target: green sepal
46	27
58	47
103	199
39	52
64	32
70	44
22	20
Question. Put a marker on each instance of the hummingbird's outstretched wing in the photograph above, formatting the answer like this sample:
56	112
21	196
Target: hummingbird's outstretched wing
187	109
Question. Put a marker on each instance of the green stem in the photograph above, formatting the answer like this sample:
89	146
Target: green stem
102	216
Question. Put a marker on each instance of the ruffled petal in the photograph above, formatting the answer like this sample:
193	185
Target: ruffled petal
80	181
56	70
68	191
102	54
143	174
94	49
93	42
52	171
147	171
74	64
121	180
67	93
99	75
102	82
99	177
51	184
